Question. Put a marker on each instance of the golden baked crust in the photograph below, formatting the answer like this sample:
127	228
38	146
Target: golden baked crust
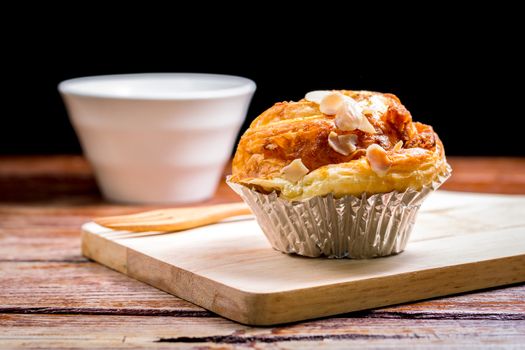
298	130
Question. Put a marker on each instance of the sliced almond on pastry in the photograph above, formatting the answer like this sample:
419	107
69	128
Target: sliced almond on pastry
348	112
348	116
331	103
317	96
366	126
378	159
294	171
343	144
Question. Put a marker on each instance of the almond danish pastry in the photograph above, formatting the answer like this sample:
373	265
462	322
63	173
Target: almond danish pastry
339	173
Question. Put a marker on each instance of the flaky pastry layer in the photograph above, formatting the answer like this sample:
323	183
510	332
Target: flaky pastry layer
298	130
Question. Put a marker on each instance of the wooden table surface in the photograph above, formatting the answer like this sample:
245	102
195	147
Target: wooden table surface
51	296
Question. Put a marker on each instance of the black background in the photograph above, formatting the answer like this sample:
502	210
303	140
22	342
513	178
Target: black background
463	78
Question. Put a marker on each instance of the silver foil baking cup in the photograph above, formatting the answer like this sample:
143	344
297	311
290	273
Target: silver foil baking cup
369	226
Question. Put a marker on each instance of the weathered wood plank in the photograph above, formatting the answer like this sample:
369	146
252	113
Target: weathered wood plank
487	174
75	331
30	234
88	288
83	288
43	200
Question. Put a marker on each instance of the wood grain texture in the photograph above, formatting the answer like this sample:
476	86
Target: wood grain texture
89	288
82	287
209	265
71	331
44	199
489	175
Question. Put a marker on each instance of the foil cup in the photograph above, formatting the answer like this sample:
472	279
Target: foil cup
368	226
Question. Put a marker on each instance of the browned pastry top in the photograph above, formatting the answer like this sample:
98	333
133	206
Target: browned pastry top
299	130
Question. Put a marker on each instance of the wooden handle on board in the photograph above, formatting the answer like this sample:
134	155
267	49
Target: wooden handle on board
175	219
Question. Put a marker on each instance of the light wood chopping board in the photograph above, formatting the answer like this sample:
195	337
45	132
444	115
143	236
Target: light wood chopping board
461	242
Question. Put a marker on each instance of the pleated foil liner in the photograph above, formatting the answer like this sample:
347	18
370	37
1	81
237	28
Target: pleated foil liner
348	227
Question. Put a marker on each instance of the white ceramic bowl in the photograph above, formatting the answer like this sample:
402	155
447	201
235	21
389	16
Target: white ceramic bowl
157	138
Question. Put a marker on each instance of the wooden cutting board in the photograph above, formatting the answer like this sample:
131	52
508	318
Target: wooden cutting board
461	242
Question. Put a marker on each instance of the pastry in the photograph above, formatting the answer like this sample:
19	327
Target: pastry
344	152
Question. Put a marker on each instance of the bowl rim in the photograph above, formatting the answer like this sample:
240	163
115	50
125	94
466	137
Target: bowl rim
245	86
